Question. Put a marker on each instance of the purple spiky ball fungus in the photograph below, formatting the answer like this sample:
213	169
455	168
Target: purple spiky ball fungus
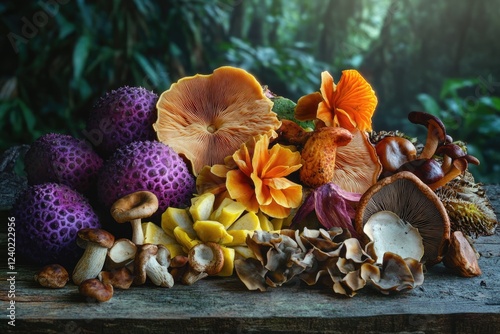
61	158
120	117
146	165
48	217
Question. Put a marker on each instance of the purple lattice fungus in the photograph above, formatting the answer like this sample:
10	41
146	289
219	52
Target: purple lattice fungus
120	117
146	165
61	158
48	217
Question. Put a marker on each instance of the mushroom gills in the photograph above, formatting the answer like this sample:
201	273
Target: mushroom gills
389	233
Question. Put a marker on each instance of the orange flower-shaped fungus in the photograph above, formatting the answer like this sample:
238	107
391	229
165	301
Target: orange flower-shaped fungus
260	180
349	104
207	117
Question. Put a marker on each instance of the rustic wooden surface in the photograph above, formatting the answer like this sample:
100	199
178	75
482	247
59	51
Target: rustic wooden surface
443	304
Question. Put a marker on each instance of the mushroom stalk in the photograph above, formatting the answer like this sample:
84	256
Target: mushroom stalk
158	274
90	264
137	233
458	167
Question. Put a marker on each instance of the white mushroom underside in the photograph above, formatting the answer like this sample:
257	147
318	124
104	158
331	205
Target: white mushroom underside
389	233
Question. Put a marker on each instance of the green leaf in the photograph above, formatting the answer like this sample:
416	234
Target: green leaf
491	101
149	71
429	104
451	86
80	54
29	117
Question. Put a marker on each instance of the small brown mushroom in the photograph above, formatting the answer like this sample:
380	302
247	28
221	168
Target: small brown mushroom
436	132
119	278
458	167
394	151
132	208
204	259
96	243
427	170
95	290
461	257
121	253
52	276
152	262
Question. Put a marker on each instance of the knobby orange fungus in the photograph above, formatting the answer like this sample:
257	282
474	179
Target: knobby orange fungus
349	104
260	182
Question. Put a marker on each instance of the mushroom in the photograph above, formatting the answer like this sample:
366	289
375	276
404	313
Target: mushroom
436	132
457	166
415	203
319	155
95	290
132	208
395	274
204	259
394	151
357	165
52	276
427	170
152	261
121	253
119	278
205	118
461	257
389	233
96	243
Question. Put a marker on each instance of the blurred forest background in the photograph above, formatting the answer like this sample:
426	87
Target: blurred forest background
60	56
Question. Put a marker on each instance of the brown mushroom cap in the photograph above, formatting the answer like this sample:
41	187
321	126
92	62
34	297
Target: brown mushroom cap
393	151
206	118
119	278
206	257
96	290
461	257
95	235
52	276
415	203
137	205
436	132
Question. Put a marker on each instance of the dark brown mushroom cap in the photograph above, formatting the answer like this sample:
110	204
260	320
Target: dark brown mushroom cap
393	151
95	235
121	278
415	203
454	151
137	205
429	121
96	290
52	276
427	170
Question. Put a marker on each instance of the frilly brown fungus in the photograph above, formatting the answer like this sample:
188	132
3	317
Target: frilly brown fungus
206	118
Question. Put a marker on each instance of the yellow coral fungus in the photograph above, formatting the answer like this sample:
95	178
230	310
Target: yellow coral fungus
260	179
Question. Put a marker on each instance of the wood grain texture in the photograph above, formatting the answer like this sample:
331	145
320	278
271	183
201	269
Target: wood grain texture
443	304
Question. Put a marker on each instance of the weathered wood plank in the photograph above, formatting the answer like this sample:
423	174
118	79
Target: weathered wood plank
444	303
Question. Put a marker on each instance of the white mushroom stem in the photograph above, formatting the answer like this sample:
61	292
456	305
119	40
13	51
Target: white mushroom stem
137	233
158	274
90	264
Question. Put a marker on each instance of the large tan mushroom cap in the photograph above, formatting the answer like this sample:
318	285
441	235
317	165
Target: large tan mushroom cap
207	117
415	203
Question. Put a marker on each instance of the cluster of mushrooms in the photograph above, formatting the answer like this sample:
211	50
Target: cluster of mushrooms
367	208
108	263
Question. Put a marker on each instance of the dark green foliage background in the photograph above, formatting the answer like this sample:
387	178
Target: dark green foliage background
60	56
